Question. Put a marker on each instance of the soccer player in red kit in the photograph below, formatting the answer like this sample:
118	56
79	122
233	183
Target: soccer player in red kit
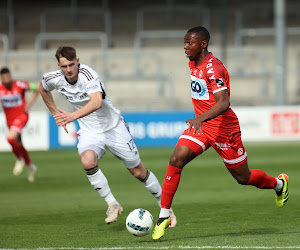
12	97
215	125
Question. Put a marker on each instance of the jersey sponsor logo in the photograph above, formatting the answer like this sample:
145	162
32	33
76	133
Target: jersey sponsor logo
219	82
11	101
199	88
210	70
92	87
221	145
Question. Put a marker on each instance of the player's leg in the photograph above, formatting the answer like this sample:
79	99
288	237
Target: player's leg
188	147
121	144
261	180
235	159
151	183
13	139
91	149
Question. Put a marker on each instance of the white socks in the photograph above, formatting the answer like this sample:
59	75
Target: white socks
152	185
164	213
279	185
100	184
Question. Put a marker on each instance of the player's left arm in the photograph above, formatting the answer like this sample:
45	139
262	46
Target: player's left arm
221	105
94	103
35	90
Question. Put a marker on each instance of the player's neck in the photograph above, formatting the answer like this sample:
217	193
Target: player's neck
72	81
201	58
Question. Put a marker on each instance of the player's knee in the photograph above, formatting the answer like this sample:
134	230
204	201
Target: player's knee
87	162
176	161
242	180
137	173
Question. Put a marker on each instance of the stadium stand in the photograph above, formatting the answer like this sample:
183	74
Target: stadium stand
141	56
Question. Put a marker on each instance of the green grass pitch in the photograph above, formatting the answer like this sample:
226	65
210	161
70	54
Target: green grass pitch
61	209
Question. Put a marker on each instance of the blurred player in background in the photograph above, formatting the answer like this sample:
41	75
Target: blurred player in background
101	126
215	125
12	96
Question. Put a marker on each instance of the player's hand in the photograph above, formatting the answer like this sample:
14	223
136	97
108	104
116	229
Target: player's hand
63	118
195	123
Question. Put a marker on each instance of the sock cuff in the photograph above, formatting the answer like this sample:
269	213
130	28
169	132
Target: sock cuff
92	171
147	175
174	169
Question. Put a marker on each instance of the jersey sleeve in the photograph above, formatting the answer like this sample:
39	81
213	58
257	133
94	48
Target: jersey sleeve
90	77
219	81
23	85
48	82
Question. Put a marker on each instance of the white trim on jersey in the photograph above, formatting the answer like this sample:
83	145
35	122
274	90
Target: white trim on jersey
237	160
188	137
218	90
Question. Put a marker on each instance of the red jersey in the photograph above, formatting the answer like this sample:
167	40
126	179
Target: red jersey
13	100
208	78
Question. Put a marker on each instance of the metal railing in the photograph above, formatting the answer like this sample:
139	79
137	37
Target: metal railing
11	26
169	10
5	41
162	80
74	13
241	32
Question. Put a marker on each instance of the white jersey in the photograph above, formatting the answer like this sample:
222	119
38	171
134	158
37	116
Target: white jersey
99	121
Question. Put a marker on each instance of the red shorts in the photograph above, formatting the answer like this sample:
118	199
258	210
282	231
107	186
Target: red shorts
18	123
228	145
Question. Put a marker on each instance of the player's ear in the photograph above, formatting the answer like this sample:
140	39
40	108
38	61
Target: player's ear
204	43
77	60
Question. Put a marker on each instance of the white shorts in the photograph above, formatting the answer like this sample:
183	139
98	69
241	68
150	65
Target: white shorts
118	140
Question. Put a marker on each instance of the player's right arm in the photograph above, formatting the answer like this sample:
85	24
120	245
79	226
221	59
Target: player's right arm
49	101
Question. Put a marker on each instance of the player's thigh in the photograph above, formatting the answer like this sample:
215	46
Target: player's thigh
198	143
231	149
18	123
120	142
91	142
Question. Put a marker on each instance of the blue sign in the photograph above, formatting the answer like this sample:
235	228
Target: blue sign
158	128
149	129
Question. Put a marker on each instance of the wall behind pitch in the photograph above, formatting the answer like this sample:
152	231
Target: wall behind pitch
160	129
35	135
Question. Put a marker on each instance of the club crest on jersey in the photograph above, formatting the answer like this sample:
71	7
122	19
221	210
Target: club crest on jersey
219	82
200	73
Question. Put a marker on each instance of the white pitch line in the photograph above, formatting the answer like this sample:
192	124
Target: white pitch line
158	248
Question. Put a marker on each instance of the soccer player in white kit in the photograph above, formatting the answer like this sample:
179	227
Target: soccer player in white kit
101	126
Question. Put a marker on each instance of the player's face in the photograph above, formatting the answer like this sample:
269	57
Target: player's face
193	46
6	79
69	68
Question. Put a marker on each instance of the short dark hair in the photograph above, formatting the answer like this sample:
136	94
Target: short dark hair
4	70
201	31
67	52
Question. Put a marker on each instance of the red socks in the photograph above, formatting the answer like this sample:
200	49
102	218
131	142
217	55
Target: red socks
15	147
260	179
19	150
170	186
25	155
